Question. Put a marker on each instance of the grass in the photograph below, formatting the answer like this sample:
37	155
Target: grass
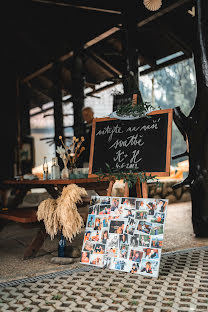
57	297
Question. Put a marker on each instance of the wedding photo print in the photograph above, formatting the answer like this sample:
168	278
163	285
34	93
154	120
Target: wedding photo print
125	234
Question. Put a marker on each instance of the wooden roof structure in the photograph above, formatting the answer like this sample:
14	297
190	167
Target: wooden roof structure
47	32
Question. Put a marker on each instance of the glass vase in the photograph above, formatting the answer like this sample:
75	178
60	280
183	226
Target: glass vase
65	173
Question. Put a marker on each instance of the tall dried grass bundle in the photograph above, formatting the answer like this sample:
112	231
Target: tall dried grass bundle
47	213
61	214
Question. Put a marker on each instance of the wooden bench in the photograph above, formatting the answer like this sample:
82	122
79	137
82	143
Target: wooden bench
26	216
20	215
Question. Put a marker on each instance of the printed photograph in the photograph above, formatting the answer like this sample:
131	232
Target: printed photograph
144	227
130	227
135	255
128	202
104	209
98	223
123	239
90	221
112	251
119	264
161	205
156	229
125	234
150	267
134	240
104	236
118	212
99	249
94	200
144	240
128	213
157	242
141	214
113	240
114	203
149	253
87	235
95	236
123	252
134	268
143	204
88	246
94	209
104	221
85	257
97	260
158	217
107	262
152	208
105	200
116	227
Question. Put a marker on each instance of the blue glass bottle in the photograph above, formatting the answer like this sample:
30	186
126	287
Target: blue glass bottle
61	246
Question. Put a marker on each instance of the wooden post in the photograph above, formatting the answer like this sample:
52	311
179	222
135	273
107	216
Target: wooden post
58	110
77	91
130	52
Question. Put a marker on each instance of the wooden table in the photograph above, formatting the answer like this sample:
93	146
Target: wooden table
54	188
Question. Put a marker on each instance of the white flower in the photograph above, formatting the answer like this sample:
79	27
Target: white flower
61	151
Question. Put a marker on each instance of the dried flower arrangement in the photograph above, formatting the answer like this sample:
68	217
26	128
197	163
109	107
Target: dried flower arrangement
71	153
61	214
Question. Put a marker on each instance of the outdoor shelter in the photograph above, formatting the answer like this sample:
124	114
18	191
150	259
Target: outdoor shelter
54	49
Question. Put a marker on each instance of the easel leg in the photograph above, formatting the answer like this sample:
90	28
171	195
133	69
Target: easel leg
109	191
126	190
144	190
138	189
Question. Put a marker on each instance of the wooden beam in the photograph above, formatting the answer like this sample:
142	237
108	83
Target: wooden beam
165	64
101	60
162	12
102	88
71	53
183	46
66	4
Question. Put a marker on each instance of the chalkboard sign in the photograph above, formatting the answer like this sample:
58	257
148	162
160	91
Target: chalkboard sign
143	145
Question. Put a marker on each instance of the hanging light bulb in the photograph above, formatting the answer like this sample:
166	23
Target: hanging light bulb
153	5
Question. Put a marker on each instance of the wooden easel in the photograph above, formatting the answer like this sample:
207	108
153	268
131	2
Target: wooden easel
140	193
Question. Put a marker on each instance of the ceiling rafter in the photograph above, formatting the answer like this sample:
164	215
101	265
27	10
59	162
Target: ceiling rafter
76	6
71	53
100	60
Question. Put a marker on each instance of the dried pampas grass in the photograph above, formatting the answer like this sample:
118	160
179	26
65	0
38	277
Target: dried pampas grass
61	214
153	5
47	213
67	213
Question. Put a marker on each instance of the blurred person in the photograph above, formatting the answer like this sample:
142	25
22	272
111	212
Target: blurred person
88	116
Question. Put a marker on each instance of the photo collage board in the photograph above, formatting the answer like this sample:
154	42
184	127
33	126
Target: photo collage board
125	234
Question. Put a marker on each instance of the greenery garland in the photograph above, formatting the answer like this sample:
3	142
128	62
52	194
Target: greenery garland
130	177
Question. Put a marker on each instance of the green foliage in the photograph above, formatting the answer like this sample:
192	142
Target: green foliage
136	110
130	177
